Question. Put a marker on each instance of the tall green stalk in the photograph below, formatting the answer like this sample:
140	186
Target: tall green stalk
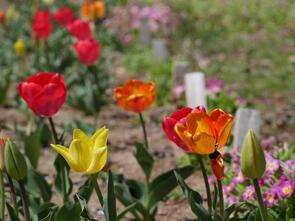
2	196
144	130
96	187
221	200
260	200
24	200
207	186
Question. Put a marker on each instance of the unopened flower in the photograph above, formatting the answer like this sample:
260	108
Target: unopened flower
88	51
80	29
93	10
2	17
64	16
42	26
20	48
86	154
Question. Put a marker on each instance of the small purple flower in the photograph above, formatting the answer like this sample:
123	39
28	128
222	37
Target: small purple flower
270	198
212	180
289	167
266	180
240	101
213	86
232	199
272	165
240	178
285	188
249	193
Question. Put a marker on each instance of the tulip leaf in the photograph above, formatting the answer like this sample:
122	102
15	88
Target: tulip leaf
127	209
63	184
32	148
45	212
144	158
215	198
84	213
188	192
228	211
162	185
11	212
37	185
69	211
110	209
85	190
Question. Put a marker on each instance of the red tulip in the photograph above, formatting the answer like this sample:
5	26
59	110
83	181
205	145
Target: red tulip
42	25
169	123
80	29
87	50
44	93
64	16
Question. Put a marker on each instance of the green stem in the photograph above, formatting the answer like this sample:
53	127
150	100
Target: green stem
24	200
13	194
53	130
63	175
205	177
221	200
2	196
96	187
260	200
144	130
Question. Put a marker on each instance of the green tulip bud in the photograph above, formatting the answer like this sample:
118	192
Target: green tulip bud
252	157
15	163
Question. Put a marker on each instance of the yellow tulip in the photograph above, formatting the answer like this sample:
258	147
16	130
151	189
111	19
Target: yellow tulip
20	48
86	154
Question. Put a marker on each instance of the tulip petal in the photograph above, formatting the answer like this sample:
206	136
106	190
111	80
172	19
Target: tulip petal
217	165
204	143
224	134
179	114
80	135
99	160
81	154
184	135
28	91
100	137
64	152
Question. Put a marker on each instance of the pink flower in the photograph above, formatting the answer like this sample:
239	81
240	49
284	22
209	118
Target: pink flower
249	193
213	86
270	198
286	188
178	91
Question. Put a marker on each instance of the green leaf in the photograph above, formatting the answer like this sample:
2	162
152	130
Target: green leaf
69	211
86	190
44	212
228	211
32	148
127	209
162	185
63	186
144	159
84	212
37	185
110	209
11	212
188	192
200	211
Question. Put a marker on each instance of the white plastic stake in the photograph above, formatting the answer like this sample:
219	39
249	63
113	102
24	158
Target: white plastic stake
195	89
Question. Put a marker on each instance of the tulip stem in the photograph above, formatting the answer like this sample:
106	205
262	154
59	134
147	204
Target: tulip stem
144	130
221	200
205	177
53	130
260	200
96	187
13	194
63	175
2	196
24	200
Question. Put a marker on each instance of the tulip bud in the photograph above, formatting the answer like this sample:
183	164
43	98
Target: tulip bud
15	163
20	48
252	157
2	145
2	17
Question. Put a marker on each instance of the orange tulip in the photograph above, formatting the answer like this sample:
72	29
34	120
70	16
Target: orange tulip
204	133
93	10
135	95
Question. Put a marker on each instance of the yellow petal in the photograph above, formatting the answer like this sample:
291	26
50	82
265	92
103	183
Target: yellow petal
99	160
81	154
204	143
64	152
100	137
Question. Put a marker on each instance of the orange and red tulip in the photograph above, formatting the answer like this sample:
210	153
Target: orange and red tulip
204	133
135	95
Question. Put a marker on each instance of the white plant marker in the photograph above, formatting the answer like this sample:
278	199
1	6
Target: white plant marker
160	52
244	120
195	90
